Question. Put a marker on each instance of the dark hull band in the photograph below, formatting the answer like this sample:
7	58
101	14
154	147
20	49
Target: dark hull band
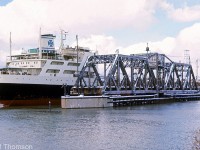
27	102
31	94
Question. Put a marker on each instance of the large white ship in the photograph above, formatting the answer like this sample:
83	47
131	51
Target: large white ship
37	76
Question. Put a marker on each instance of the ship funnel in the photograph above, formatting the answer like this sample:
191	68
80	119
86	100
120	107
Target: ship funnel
47	42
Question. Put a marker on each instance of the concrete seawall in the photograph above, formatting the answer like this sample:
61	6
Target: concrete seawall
85	102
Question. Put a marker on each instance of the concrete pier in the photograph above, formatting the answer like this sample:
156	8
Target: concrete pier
117	101
85	102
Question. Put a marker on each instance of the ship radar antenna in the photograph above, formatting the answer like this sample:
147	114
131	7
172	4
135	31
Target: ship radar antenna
63	38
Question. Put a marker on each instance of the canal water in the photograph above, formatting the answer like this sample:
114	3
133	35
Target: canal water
169	126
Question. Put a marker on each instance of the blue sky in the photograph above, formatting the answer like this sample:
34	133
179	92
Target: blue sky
181	3
4	2
169	26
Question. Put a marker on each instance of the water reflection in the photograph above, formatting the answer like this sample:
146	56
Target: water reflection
166	126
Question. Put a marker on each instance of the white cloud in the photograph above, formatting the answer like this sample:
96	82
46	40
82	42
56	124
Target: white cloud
89	15
101	43
3	53
164	46
184	14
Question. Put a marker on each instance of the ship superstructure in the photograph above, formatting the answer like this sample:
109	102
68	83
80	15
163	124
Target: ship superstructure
37	75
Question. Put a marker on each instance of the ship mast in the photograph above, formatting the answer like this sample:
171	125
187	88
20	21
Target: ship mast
10	47
40	48
77	51
77	59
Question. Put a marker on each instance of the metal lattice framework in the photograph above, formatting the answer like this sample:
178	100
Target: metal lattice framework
151	73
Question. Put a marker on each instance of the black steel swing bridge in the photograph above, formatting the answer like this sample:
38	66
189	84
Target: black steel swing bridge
136	74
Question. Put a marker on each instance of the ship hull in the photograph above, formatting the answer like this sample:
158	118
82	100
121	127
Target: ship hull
31	94
30	102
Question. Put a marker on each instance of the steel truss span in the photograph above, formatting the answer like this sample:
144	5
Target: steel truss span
150	73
